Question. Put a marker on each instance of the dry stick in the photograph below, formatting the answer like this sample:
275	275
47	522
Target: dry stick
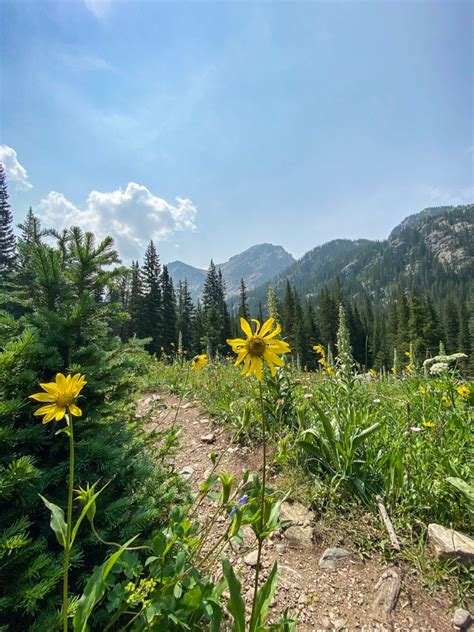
388	524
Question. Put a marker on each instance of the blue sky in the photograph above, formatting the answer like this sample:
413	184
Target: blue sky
213	126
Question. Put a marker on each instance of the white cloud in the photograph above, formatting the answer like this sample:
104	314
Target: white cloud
13	167
99	8
132	216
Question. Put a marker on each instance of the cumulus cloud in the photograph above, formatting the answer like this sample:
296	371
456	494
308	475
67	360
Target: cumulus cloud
132	216
13	167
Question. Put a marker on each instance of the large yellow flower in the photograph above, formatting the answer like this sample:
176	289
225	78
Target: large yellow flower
199	361
260	345
463	390
60	396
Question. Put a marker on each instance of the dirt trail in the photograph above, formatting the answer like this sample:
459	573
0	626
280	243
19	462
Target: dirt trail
341	598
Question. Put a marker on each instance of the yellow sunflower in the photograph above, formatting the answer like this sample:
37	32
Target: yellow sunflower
199	361
320	349
259	345
60	396
463	390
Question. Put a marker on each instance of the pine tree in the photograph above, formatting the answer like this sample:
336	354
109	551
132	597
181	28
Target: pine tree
403	313
451	324
8	255
151	299
185	316
69	329
416	327
326	318
169	335
135	302
431	329
243	301
217	326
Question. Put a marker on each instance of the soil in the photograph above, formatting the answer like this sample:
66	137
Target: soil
339	599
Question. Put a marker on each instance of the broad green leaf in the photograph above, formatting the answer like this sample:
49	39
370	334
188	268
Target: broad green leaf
358	439
465	488
264	597
235	604
58	524
95	589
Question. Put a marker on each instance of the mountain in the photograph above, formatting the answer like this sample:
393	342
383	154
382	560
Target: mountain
256	265
431	250
195	277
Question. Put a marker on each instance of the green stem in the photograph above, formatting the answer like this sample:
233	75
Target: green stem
262	509
67	548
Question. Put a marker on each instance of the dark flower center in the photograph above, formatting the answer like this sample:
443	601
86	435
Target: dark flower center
256	346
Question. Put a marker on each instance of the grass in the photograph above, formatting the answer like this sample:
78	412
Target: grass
339	441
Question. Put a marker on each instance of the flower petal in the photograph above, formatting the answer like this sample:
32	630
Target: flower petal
244	325
60	412
75	410
50	387
43	397
267	325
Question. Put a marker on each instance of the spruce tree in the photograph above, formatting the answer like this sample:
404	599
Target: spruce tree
326	318
185	314
151	301
169	335
8	255
135	302
216	320
243	301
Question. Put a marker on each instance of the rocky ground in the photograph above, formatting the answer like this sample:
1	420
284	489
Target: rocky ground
321	577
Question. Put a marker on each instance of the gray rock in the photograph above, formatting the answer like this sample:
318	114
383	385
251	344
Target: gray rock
209	438
299	537
281	549
187	472
330	556
388	589
296	513
462	618
251	558
448	543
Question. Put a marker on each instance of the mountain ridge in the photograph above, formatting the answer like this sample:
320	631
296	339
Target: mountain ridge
256	265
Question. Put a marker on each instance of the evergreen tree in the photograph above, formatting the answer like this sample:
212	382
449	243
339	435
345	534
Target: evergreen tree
243	301
416	327
134	326
217	327
451	324
151	308
326	318
185	316
8	255
169	335
431	329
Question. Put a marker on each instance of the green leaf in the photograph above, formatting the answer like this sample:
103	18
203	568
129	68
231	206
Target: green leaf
466	490
358	439
95	589
264	596
58	524
235	604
